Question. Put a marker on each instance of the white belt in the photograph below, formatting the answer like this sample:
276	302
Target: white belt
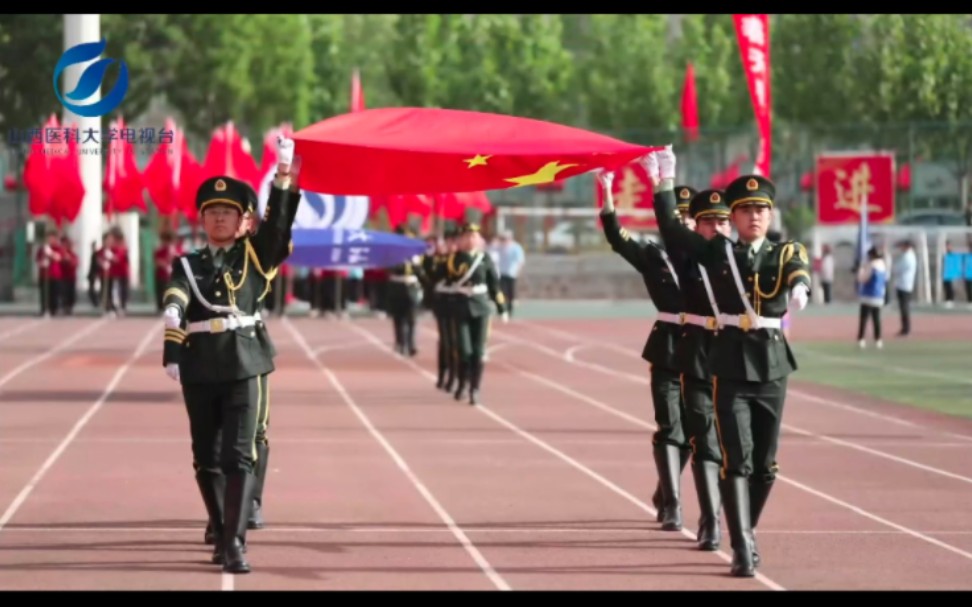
221	324
470	291
708	322
444	288
745	323
675	319
409	279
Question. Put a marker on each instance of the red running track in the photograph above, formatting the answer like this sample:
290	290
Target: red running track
378	481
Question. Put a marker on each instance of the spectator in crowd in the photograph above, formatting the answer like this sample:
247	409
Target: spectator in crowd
872	280
510	264
905	270
826	270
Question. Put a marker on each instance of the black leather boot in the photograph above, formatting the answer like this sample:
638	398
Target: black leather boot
759	491
656	498
443	366
255	520
706	476
475	376
463	373
735	495
669	473
239	496
211	487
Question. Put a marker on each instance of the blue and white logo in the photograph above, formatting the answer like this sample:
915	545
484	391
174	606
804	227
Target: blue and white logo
321	210
91	78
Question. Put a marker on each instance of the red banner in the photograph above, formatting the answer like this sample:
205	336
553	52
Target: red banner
752	31
632	189
845	179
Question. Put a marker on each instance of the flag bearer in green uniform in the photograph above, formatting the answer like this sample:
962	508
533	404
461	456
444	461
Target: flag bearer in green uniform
754	283
434	269
658	270
475	284
699	321
216	350
448	309
404	298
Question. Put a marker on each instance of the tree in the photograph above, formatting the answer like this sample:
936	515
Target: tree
30	46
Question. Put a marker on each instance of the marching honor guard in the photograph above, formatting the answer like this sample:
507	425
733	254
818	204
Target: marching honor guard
475	283
434	269
670	449
710	216
754	283
404	298
215	346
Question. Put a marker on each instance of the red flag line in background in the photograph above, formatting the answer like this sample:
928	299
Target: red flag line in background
752	32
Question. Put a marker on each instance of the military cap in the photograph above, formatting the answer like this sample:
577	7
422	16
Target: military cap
468	228
227	191
683	195
450	233
708	202
750	190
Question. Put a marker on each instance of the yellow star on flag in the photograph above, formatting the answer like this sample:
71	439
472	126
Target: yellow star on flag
546	174
477	160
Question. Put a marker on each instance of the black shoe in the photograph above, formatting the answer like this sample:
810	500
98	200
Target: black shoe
706	476
656	498
255	520
239	496
668	462
735	495
759	491
475	377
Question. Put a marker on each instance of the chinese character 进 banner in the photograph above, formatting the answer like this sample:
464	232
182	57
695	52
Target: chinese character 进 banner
752	32
845	179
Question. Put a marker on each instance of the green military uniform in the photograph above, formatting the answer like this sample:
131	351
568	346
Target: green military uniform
404	298
699	322
670	448
434	269
474	283
223	353
449	308
750	358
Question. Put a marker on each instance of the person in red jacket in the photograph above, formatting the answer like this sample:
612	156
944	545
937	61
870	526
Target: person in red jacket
49	273
69	275
165	254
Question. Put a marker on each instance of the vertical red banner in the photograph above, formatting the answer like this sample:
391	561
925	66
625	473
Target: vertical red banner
752	32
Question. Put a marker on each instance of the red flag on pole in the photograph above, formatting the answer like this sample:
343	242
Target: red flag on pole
357	93
430	150
690	105
752	31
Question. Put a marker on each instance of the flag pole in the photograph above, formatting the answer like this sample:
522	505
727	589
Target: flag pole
87	227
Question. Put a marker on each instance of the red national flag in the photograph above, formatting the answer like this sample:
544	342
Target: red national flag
38	174
752	32
123	184
690	105
68	194
162	173
430	150
228	156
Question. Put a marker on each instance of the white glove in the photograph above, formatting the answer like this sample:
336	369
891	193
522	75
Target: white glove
650	162
666	163
606	178
798	297
172	370
285	150
173	318
505	317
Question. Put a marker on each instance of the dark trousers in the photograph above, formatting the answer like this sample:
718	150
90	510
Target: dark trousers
904	306
949	290
666	396
403	322
50	295
700	419
508	287
748	417
827	292
874	313
223	420
444	346
472	334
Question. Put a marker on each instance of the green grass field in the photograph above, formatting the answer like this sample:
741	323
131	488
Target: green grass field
934	375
